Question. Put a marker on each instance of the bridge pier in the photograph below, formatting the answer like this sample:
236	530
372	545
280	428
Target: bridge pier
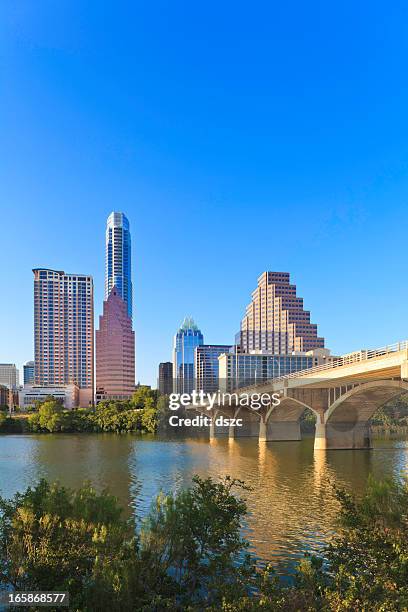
215	429
279	430
249	427
337	436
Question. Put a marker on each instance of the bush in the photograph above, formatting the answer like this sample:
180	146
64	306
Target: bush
190	555
54	538
10	425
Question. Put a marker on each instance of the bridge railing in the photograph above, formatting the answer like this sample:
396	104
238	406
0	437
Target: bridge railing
349	358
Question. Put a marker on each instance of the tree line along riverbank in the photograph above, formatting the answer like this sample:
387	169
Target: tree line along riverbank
141	413
146	410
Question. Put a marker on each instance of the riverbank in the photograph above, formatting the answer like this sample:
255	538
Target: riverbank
191	551
137	414
288	480
389	430
112	420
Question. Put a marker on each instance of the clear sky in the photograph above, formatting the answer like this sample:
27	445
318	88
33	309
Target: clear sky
237	137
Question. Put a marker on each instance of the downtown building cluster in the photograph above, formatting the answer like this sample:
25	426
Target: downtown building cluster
79	366
276	338
71	361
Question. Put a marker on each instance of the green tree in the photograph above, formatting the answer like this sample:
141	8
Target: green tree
195	536
33	422
369	557
50	414
53	538
10	425
144	397
366	563
149	420
190	555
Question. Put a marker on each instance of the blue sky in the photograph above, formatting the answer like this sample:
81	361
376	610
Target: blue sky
236	137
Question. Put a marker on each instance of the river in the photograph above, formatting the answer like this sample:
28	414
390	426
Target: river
292	506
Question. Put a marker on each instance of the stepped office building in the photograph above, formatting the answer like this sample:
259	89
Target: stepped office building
275	320
115	351
118	258
64	331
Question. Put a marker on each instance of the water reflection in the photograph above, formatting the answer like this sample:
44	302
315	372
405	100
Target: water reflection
292	506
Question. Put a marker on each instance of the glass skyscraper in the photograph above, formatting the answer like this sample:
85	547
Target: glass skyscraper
28	370
186	340
118	258
206	366
242	369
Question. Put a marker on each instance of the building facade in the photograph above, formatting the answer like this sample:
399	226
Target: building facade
28	373
9	375
242	369
68	394
118	258
165	382
115	350
4	396
186	340
275	320
206	366
64	331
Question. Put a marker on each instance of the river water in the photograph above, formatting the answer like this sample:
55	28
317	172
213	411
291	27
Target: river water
292	506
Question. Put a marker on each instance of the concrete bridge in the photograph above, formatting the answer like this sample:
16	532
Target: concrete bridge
343	396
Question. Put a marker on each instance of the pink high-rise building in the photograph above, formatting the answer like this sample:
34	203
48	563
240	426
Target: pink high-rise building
115	351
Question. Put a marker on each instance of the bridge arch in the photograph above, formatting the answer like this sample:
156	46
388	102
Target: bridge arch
360	403
289	409
282	422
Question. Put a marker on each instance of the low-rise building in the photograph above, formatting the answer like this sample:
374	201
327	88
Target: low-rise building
69	394
242	369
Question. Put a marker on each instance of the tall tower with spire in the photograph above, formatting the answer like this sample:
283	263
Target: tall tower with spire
115	338
118	271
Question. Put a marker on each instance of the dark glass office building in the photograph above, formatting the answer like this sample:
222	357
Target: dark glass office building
206	366
165	381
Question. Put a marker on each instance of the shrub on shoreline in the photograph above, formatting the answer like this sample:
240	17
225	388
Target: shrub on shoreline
189	553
